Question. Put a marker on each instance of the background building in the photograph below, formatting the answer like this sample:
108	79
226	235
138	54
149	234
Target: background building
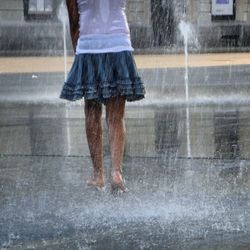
33	26
215	24
223	29
30	27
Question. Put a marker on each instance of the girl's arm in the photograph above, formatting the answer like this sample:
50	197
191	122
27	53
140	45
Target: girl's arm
73	21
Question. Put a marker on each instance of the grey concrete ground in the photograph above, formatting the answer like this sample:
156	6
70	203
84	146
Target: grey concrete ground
174	201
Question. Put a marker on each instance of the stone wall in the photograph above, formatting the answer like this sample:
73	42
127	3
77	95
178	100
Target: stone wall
138	12
16	32
11	10
200	11
220	34
243	10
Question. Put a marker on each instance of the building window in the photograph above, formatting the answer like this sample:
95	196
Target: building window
38	9
223	10
40	6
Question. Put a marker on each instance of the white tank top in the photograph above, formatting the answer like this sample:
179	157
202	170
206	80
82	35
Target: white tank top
103	27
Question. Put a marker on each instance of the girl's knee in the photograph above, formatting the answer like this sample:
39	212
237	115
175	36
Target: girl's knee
92	108
114	119
115	110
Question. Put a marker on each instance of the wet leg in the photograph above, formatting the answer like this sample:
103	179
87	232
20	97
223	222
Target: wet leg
115	110
93	124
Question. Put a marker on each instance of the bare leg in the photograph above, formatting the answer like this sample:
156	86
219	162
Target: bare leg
115	110
93	123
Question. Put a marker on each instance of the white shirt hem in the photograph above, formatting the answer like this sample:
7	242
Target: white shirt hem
104	50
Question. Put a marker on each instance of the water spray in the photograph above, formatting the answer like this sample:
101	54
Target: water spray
185	30
63	17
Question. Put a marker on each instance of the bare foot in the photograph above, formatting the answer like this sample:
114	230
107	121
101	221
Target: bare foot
117	182
97	182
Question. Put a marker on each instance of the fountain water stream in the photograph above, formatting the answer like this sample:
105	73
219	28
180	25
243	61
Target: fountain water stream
185	31
63	17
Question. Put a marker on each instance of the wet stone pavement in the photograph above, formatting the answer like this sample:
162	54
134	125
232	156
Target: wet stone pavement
163	84
175	200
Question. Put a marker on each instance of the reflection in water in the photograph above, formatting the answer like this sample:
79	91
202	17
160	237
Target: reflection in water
226	126
44	132
167	131
156	131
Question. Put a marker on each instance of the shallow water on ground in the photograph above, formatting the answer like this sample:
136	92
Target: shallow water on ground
174	201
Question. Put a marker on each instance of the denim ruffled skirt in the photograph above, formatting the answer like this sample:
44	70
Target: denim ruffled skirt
102	76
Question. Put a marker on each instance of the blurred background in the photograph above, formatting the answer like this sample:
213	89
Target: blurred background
153	24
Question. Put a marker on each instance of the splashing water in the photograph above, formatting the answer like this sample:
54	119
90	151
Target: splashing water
63	17
185	31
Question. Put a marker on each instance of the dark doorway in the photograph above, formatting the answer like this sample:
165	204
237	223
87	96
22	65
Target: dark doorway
162	16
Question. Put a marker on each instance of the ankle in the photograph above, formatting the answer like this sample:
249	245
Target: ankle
115	173
117	170
116	176
99	174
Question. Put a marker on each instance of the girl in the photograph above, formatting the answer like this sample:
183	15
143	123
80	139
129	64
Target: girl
103	72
